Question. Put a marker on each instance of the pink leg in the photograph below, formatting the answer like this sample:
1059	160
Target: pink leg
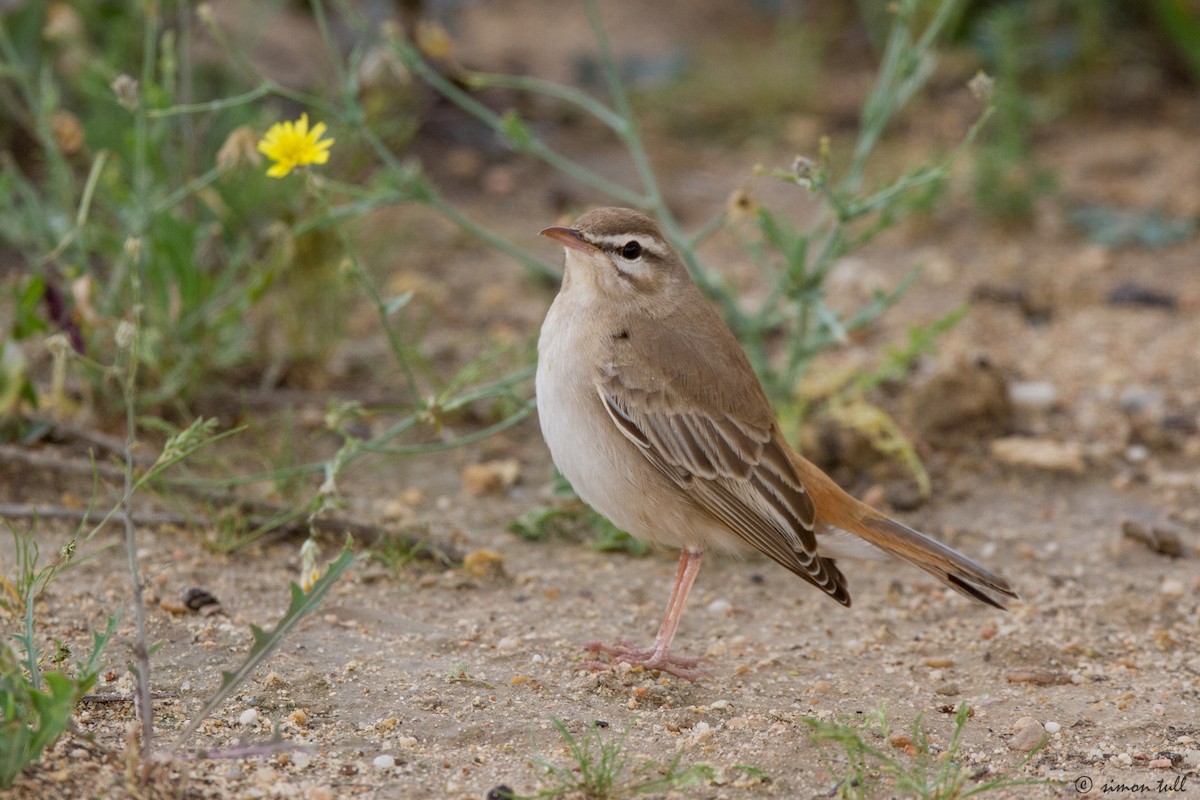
658	656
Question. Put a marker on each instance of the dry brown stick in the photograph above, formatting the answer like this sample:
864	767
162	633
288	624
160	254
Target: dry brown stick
34	459
266	513
64	432
149	518
259	513
125	697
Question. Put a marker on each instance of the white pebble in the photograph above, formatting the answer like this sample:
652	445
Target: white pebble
1053	728
384	762
1172	587
719	705
1125	759
537	658
248	717
1033	394
301	759
509	643
1137	453
719	606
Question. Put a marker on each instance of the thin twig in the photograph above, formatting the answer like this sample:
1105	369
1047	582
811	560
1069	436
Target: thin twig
125	697
259	515
51	462
63	432
151	518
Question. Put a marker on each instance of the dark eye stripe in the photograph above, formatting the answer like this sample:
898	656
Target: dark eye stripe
614	243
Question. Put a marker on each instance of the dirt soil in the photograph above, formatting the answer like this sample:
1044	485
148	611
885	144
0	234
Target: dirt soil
444	683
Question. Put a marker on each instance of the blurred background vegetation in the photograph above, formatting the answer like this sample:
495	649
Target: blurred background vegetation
240	279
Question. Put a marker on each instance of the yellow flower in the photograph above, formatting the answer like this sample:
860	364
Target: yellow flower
291	144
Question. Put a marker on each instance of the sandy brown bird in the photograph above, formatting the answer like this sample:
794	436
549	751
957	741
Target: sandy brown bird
653	413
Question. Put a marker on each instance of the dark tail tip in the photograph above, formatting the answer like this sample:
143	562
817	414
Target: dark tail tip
971	590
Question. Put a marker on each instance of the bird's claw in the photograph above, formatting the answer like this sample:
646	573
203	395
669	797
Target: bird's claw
622	652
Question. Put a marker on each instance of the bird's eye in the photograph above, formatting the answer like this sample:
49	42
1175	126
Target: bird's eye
631	250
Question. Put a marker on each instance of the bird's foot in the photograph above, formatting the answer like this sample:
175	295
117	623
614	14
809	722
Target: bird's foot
623	652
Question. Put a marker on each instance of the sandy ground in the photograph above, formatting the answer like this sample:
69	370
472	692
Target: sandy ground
444	683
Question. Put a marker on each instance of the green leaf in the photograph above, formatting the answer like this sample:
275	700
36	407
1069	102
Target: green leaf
397	303
302	604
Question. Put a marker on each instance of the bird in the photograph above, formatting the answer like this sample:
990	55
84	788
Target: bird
653	413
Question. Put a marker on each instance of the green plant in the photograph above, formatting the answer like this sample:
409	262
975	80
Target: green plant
598	769
1181	24
797	261
37	705
570	515
1008	179
397	552
929	773
90	187
29	577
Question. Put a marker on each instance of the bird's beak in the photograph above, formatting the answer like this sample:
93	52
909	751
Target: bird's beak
569	237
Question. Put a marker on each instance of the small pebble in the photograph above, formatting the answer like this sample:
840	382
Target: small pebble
484	563
1125	759
1036	395
1053	728
1137	453
1027	732
248	717
1172	587
384	762
1035	453
301	759
491	477
1040	676
1160	763
719	606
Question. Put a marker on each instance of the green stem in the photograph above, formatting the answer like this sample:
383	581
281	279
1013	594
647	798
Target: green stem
85	206
631	137
534	265
258	92
399	349
532	146
187	190
568	94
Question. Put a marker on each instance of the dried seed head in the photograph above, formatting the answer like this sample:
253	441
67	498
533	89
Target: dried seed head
67	132
983	86
126	334
126	90
240	147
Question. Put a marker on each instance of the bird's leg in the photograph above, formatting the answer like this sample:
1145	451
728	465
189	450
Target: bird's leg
658	656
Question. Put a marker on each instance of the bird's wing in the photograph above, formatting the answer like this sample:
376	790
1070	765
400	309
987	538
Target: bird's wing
735	468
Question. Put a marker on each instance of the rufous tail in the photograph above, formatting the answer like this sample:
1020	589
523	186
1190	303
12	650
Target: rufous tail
837	508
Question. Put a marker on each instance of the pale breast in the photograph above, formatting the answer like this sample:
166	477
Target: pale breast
606	470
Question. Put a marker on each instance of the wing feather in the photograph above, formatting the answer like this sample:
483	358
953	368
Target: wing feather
735	469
